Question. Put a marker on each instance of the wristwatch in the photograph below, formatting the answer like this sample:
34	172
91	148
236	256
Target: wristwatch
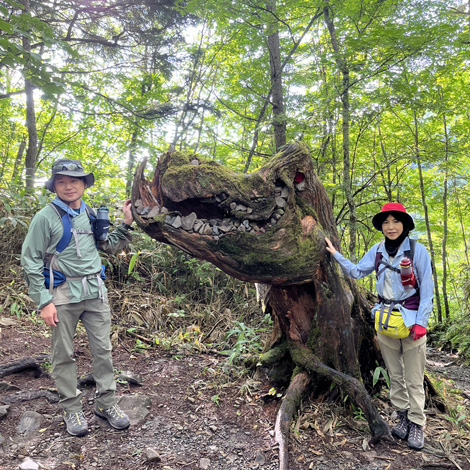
126	226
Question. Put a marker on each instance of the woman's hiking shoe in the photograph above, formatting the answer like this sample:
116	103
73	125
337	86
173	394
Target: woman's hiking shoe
416	436
402	428
115	416
76	423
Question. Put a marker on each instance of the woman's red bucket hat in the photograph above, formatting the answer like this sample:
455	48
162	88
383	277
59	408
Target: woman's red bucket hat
392	208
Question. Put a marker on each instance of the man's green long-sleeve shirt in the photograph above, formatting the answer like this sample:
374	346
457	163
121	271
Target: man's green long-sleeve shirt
43	236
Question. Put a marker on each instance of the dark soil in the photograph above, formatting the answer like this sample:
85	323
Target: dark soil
203	415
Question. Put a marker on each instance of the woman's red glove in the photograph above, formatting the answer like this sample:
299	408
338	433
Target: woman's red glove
417	331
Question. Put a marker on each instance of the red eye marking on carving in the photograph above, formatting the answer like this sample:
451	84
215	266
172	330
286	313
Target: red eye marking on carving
299	177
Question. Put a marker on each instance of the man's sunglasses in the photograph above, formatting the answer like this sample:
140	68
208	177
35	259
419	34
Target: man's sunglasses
66	167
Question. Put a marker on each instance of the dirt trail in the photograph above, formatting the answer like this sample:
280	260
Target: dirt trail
199	418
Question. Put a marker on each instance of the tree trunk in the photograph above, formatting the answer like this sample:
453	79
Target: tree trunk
347	185
31	153
426	218
279	118
444	214
269	227
462	226
15	176
131	160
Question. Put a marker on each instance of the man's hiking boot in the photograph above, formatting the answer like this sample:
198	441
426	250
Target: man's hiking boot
76	423
402	428
416	436
115	416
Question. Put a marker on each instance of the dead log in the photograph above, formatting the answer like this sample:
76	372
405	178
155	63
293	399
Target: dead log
24	364
269	227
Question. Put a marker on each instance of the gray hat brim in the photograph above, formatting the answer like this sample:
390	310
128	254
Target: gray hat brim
88	177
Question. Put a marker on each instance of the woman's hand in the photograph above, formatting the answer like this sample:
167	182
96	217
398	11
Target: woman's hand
329	246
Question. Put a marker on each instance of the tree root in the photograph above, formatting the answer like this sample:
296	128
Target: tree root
21	365
51	397
290	403
273	356
304	358
89	381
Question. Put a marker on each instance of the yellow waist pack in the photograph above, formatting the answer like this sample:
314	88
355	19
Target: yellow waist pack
389	322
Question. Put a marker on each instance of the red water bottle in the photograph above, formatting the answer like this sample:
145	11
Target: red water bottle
407	275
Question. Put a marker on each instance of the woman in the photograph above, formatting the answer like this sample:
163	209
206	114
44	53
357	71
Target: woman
411	296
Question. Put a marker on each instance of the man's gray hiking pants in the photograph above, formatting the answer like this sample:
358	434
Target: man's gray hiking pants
96	318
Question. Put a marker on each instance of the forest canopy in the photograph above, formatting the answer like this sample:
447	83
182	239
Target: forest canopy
378	90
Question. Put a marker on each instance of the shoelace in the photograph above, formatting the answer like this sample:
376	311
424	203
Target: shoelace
415	432
77	418
403	423
114	411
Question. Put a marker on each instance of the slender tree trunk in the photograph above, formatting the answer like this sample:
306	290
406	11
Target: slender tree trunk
347	186
426	218
445	215
131	161
268	97
462	226
31	153
387	183
279	117
19	158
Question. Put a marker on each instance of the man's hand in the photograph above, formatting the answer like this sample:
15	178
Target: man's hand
417	331
126	209
329	246
49	315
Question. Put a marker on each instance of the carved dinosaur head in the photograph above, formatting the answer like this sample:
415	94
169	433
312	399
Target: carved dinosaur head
262	227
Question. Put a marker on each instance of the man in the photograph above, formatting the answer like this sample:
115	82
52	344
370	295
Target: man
76	291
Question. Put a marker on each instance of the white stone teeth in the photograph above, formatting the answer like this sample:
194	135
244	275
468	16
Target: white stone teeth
280	201
207	229
240	208
197	225
285	192
153	212
174	221
139	207
225	228
300	186
188	221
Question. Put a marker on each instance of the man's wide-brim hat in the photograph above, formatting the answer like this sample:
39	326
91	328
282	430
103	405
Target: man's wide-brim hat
396	209
68	167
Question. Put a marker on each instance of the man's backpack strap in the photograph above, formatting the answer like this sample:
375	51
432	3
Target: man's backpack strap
67	228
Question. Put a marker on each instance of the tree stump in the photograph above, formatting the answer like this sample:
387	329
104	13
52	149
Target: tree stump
269	227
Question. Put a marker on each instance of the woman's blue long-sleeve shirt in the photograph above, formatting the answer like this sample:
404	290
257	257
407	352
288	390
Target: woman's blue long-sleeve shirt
422	269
